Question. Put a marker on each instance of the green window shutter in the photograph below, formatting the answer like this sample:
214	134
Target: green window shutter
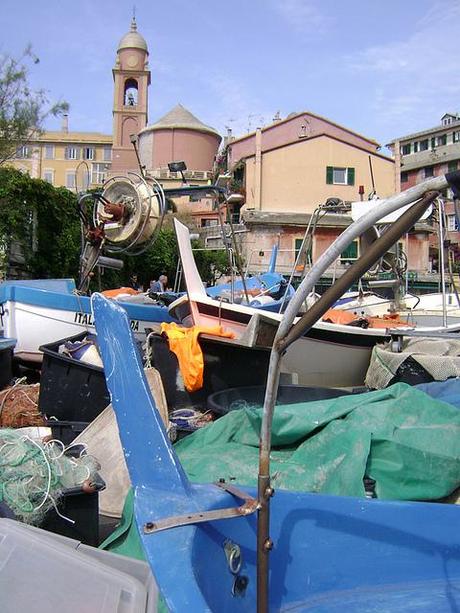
350	253
329	175
350	176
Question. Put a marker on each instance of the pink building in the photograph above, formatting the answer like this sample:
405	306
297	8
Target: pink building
179	135
430	153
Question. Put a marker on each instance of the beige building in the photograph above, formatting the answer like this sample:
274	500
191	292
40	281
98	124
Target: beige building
289	168
295	164
75	160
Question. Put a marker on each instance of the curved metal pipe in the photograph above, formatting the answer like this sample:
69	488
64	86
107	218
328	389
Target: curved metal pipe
402	225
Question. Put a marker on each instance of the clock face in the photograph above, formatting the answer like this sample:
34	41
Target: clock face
132	61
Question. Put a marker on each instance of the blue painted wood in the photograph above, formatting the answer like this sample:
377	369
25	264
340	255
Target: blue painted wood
331	554
39	293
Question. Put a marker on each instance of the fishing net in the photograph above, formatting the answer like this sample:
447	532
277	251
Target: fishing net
34	474
19	406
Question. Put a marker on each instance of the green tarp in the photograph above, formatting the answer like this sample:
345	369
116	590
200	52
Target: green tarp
408	442
402	438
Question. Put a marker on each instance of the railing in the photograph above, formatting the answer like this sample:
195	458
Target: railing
165	173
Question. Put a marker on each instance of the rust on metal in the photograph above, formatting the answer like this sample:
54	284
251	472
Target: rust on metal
250	505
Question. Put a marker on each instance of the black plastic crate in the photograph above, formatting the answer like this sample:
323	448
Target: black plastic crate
80	507
66	431
225	366
6	362
70	390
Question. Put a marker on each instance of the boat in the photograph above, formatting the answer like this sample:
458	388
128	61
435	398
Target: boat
38	312
268	291
329	354
312	552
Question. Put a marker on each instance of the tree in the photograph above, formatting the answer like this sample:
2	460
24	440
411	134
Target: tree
22	109
43	221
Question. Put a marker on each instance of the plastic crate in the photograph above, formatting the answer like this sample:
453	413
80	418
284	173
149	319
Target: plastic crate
225	366
83	509
66	431
6	361
41	572
70	390
231	399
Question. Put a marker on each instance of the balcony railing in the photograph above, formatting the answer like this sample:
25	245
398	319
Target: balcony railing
165	173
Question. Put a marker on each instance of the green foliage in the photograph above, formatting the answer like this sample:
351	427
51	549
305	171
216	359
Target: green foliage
22	110
211	264
161	259
43	220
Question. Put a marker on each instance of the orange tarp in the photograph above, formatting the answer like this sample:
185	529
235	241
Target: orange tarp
184	343
113	293
346	318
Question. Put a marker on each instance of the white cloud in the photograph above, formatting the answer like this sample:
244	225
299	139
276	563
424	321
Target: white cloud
303	16
418	78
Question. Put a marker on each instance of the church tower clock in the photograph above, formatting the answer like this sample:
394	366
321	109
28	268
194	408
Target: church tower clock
130	104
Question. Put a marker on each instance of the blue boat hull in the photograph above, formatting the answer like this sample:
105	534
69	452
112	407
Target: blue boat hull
330	553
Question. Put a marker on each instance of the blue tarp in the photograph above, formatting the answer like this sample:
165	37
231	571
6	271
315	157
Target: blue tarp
447	391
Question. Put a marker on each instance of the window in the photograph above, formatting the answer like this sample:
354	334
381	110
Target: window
130	97
452	166
23	152
72	153
452	224
70	180
88	153
428	171
424	145
297	245
405	149
49	152
207	223
433	142
350	254
404	177
48	175
456	136
99	173
340	176
107	154
442	140
415	146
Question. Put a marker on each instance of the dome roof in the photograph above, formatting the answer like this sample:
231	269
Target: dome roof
180	117
133	40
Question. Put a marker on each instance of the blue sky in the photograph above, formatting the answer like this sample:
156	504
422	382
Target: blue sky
383	68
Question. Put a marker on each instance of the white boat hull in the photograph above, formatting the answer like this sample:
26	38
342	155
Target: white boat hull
33	326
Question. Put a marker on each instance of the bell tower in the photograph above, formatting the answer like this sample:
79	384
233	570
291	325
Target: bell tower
131	77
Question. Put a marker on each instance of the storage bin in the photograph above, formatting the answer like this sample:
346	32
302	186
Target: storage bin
41	572
66	431
228	400
6	360
70	390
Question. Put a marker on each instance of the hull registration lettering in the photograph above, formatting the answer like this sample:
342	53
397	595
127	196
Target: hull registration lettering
86	319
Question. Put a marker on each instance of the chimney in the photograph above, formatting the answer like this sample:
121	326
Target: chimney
65	122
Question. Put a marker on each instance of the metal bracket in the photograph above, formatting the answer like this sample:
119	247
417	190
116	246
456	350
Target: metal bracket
249	506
